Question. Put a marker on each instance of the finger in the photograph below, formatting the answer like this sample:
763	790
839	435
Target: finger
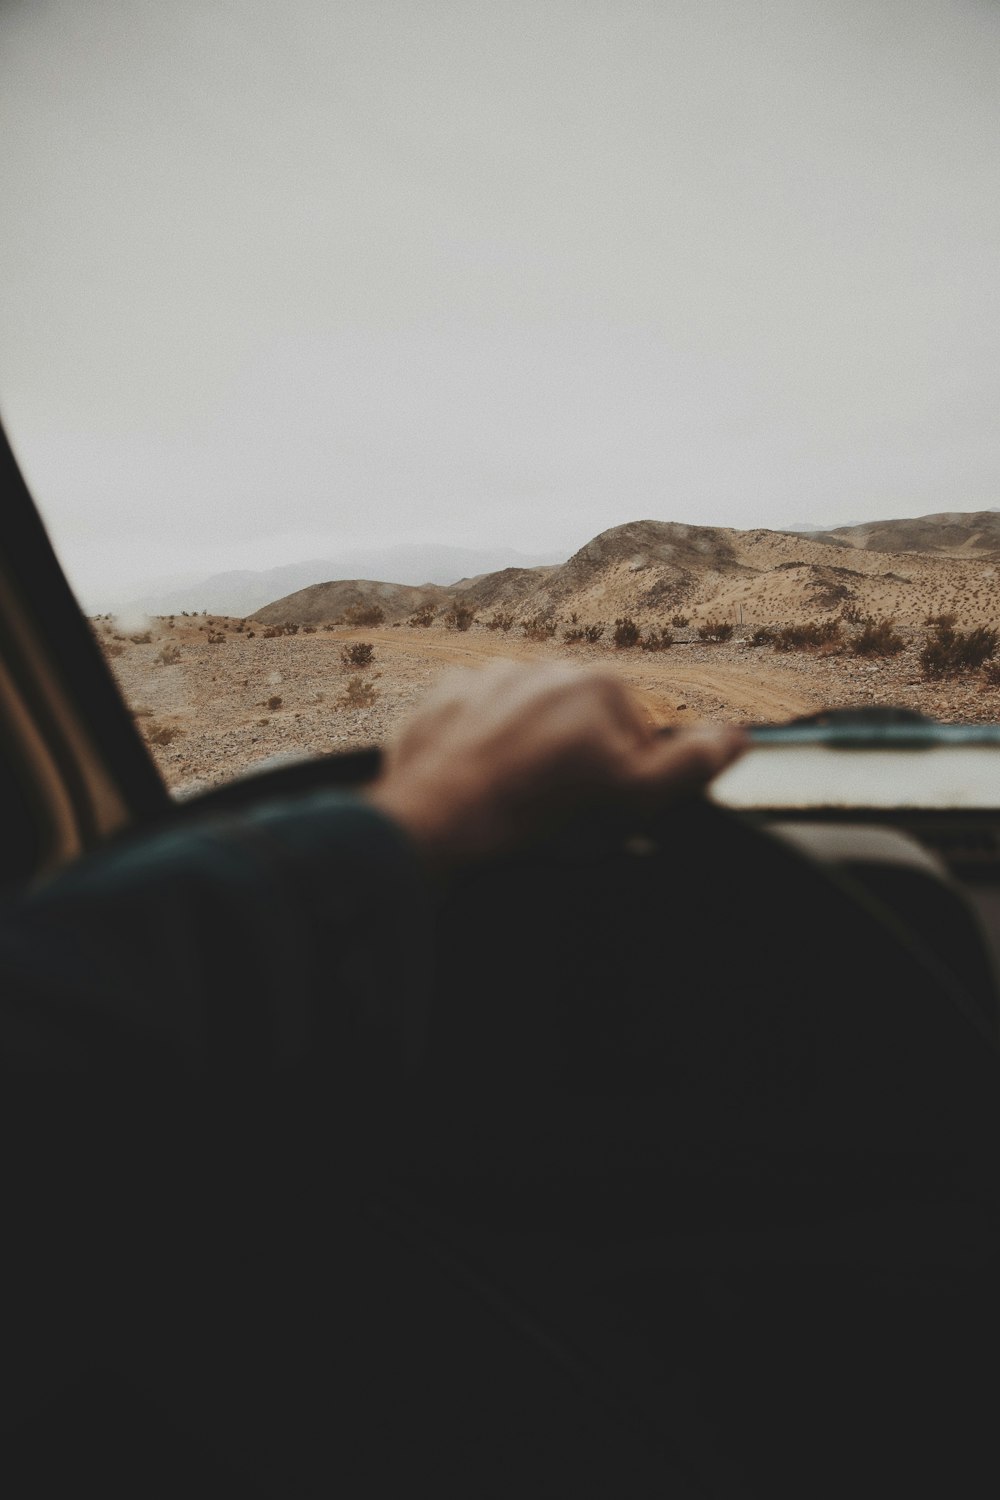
672	765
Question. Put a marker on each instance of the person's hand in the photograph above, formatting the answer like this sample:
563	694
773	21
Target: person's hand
498	759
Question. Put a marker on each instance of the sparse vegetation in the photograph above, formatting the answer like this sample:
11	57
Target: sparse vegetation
502	619
539	627
270	632
169	655
460	617
274	702
807	635
626	633
423	616
358	654
715	631
364	614
358	693
216	637
680	622
949	652
161	734
141	638
657	640
877	637
762	636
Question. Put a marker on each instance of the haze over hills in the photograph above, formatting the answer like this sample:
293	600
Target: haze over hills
950	533
655	569
242	591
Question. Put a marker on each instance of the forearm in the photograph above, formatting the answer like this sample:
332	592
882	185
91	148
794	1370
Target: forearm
292	935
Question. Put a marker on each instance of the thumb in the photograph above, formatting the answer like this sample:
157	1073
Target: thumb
670	765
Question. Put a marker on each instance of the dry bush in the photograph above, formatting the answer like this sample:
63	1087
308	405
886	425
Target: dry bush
877	638
715	631
503	619
589	633
680	622
423	616
540	627
161	734
216	637
807	635
942	621
112	648
948	652
364	614
851	614
357	694
460	617
657	640
358	654
626	633
991	673
141	638
169	655
274	702
309	630
762	636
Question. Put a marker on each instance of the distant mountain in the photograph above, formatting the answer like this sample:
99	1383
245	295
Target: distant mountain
658	572
244	592
973	533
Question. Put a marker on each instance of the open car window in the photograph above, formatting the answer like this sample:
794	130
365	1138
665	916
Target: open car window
343	346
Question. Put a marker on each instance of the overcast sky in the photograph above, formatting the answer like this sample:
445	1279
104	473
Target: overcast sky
281	278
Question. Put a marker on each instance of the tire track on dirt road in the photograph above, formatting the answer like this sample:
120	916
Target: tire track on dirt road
757	691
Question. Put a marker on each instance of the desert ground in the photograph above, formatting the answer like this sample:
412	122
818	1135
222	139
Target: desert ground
215	696
213	701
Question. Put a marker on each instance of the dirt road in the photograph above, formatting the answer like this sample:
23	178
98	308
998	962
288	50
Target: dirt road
755	689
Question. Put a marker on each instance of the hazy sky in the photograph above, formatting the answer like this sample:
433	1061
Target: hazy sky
278	278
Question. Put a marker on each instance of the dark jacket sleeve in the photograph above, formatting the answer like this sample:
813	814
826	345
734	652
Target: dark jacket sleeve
289	936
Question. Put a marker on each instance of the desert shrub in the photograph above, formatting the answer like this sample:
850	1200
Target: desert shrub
251	634
680	621
762	636
161	734
501	620
112	648
422	616
852	614
539	627
141	638
991	673
948	651
275	701
807	635
715	631
169	655
358	654
309	630
657	640
364	614
942	621
358	693
877	638
626	633
216	637
589	633
460	617
270	631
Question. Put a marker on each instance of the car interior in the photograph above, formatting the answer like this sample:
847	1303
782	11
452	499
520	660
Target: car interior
799	1347
696	1190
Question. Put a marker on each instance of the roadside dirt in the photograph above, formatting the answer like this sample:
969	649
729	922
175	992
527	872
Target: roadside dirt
212	700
